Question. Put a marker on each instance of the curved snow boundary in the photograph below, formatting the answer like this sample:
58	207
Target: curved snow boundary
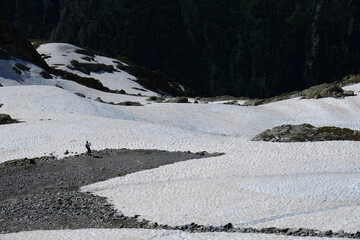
310	185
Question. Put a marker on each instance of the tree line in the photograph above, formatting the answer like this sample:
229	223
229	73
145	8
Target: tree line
254	48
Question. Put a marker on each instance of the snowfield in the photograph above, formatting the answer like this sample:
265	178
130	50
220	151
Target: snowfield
312	185
135	234
60	55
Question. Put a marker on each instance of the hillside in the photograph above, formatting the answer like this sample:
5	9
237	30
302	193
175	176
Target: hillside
13	44
163	169
257	48
52	63
312	185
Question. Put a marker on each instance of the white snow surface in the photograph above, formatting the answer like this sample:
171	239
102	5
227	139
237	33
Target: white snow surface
60	55
135	234
8	77
255	184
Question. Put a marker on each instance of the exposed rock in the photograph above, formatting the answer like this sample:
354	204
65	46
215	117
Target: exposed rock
285	96
325	90
57	85
178	100
80	95
319	91
155	81
122	91
156	99
16	70
16	45
22	67
220	98
46	75
98	99
234	102
88	82
45	195
6	119
228	226
130	103
348	80
85	52
87	68
307	132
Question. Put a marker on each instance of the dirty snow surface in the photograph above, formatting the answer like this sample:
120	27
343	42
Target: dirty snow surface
312	185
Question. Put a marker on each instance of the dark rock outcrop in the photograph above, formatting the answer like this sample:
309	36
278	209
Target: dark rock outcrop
178	100
13	43
6	119
307	133
324	90
87	68
129	103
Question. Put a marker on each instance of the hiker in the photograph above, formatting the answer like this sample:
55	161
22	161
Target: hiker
87	145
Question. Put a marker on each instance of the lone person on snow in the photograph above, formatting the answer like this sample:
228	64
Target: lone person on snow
87	145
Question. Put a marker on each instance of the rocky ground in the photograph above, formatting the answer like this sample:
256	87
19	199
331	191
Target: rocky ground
324	90
307	133
43	194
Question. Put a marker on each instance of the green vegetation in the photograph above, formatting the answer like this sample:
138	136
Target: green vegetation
257	48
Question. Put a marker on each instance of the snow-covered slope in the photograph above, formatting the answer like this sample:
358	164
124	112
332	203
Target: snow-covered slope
9	76
258	184
60	55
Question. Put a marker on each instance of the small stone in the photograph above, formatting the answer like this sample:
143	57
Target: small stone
328	233
228	226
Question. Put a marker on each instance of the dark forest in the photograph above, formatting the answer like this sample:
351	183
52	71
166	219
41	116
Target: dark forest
257	48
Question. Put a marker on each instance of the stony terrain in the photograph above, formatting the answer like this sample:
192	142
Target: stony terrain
307	133
324	90
43	193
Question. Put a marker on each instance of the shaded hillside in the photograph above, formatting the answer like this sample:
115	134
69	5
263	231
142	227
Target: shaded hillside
256	48
16	45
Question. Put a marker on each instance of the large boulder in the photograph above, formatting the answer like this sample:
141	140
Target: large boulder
307	133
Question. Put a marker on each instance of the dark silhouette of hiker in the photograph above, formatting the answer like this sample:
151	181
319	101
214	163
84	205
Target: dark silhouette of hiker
87	145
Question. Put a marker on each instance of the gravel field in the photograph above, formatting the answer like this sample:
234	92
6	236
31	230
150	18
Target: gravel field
43	193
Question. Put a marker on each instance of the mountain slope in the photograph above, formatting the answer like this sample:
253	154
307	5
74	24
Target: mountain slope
20	64
256	48
13	43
